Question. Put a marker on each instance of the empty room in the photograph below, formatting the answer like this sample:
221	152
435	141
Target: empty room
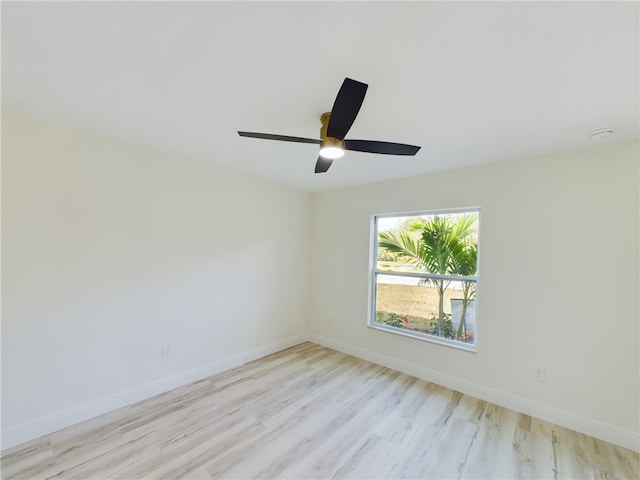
312	240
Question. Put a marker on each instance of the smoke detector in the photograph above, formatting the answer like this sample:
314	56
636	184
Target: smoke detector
602	134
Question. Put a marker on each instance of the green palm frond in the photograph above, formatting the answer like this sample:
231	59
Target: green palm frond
402	245
443	245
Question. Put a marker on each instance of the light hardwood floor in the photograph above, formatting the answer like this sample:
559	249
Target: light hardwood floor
312	412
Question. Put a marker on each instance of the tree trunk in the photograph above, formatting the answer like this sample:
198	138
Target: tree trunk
463	319
467	295
440	308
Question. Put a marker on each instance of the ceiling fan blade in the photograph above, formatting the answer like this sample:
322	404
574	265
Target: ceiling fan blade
346	108
323	164
282	138
385	148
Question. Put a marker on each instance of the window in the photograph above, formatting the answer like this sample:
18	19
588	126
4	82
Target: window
424	275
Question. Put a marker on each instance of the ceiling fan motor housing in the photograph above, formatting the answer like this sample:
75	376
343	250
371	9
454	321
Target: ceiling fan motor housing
330	147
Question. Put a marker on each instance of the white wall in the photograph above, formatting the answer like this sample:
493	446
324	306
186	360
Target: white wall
110	251
558	284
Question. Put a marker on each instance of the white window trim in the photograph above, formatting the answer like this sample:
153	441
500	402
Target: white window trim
373	272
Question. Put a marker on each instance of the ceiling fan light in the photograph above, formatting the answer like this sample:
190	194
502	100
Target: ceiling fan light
331	152
331	148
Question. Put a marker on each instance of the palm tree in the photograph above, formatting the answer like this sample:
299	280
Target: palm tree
438	250
465	261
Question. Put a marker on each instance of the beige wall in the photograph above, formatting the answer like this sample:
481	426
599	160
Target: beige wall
110	251
558	282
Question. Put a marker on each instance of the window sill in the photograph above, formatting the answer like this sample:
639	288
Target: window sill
426	337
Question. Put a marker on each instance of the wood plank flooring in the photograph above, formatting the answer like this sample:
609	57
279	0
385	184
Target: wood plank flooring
311	412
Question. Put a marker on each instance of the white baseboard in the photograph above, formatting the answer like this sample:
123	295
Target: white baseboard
609	433
51	423
42	426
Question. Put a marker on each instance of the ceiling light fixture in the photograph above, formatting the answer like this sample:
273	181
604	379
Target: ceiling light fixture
602	134
331	148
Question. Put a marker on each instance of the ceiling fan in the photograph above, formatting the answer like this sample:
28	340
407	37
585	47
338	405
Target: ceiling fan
336	124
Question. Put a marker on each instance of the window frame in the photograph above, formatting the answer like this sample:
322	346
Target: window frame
374	272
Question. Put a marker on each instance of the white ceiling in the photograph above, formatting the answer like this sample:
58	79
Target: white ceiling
470	82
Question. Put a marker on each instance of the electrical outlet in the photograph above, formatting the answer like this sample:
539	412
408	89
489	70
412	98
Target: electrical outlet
165	351
540	374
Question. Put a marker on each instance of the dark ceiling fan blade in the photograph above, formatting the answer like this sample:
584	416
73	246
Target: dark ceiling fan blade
282	138
346	107
323	164
385	148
